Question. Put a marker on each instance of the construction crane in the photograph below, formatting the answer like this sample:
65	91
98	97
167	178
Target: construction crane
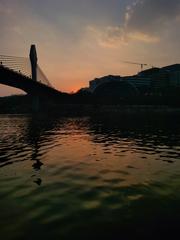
140	64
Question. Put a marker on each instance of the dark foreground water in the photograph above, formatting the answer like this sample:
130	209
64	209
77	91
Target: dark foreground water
89	178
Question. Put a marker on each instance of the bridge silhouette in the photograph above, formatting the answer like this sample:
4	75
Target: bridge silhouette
24	73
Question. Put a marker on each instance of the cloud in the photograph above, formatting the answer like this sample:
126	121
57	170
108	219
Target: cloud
144	21
108	37
143	37
151	15
113	37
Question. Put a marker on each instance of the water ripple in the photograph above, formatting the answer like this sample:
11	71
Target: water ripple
85	173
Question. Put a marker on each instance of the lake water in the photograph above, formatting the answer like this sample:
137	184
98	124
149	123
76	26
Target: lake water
89	177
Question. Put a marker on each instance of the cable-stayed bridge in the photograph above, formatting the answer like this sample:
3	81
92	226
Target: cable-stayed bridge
24	73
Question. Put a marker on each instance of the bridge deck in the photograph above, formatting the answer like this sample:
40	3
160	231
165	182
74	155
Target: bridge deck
14	79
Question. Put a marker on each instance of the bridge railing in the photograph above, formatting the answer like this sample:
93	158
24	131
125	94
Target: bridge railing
18	64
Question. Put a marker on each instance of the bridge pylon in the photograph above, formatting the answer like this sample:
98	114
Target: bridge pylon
33	59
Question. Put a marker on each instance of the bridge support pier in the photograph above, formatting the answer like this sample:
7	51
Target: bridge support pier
35	103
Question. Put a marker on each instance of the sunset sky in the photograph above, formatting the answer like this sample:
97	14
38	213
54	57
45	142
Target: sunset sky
78	40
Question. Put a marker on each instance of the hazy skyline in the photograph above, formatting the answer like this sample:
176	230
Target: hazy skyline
78	40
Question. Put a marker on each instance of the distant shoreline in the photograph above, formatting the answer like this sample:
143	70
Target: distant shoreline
23	105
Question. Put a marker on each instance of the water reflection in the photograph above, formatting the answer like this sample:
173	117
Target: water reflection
148	135
159	131
31	137
24	138
92	176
